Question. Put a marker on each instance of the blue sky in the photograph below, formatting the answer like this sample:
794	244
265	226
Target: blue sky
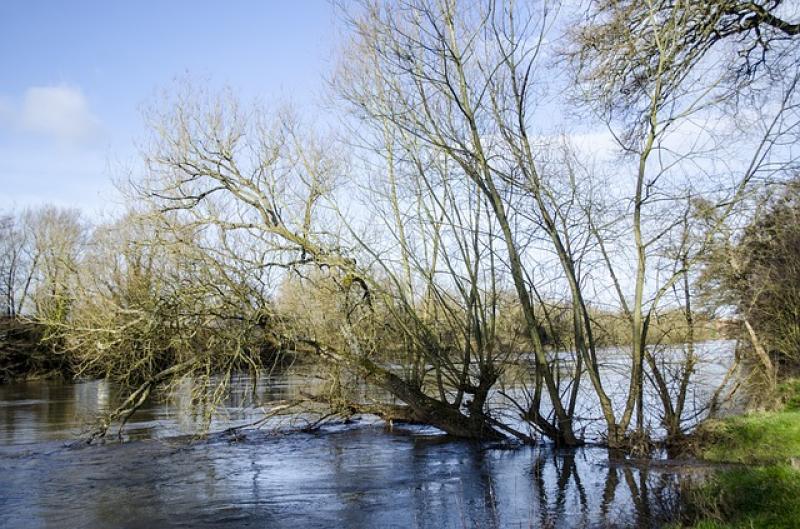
74	75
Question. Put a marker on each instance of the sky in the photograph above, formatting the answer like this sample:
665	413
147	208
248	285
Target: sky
75	75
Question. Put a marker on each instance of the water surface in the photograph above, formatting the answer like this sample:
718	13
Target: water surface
344	476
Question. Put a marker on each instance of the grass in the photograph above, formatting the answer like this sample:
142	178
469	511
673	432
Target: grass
755	439
790	394
764	494
749	497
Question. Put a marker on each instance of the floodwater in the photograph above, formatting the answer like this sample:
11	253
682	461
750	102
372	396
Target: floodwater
343	476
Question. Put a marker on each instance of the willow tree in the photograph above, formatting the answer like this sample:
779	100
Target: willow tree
434	238
462	80
38	251
258	194
700	97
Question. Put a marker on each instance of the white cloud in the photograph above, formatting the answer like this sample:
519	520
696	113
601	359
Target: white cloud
60	112
599	143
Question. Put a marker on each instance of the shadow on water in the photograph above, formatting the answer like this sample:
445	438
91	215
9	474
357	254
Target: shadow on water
347	477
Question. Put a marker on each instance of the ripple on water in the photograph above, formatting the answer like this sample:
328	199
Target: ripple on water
342	477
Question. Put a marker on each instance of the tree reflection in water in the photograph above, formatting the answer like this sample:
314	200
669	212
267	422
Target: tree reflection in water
356	476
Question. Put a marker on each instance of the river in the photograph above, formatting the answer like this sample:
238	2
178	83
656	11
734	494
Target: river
342	476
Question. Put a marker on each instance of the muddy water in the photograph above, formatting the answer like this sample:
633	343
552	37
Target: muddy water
351	476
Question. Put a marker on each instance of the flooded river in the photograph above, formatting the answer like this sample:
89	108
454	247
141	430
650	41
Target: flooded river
342	476
353	476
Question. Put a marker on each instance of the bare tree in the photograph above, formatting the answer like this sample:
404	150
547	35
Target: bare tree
658	73
18	262
254	192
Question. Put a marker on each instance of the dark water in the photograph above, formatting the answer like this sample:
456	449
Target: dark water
342	477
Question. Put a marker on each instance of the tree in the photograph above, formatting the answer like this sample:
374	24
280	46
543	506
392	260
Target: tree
58	238
657	71
18	263
752	271
253	190
768	284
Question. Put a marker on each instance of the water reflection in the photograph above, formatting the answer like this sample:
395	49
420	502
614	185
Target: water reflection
363	477
712	360
50	410
348	477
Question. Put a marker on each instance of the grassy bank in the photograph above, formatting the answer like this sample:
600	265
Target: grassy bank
764	492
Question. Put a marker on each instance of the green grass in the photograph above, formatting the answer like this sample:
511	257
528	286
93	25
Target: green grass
764	494
790	394
751	498
758	438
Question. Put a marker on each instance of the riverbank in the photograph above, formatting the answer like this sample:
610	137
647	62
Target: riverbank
24	355
762	488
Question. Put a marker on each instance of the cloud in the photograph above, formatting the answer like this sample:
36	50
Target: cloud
599	143
58	112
